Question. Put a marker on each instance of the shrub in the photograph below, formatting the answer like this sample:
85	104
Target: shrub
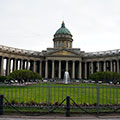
25	75
3	78
105	76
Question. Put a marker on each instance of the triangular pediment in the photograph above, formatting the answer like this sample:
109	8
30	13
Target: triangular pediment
63	53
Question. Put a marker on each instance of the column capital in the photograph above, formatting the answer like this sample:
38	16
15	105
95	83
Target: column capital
27	60
40	60
34	60
21	59
117	60
53	60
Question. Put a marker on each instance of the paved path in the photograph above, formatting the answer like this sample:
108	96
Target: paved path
55	119
59	117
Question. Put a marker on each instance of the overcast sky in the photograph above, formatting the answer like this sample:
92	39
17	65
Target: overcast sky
31	24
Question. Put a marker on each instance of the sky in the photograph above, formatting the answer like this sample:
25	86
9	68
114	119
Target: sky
31	24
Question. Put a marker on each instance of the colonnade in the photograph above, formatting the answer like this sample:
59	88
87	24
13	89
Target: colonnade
101	66
8	65
46	68
56	68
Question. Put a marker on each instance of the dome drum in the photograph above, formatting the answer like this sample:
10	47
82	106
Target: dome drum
62	35
62	38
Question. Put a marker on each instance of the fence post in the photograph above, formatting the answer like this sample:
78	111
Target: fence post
1	104
98	94
49	95
68	106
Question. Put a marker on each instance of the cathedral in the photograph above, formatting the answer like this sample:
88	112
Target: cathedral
54	62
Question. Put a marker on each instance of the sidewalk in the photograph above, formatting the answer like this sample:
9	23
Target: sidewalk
61	116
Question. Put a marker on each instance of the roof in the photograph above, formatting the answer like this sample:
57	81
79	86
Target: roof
63	30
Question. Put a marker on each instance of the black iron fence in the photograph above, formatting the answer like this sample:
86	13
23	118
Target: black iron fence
44	97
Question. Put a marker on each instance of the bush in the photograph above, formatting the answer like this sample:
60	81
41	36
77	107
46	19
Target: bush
25	75
105	76
3	78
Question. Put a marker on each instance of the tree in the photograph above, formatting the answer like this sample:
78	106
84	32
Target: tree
105	76
25	75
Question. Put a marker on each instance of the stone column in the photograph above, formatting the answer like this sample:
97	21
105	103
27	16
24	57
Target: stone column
46	69
8	66
114	70
59	69
118	67
85	70
53	69
1	67
98	66
27	65
111	66
21	64
40	68
80	70
73	70
115	66
66	66
14	64
34	66
92	67
104	66
24	67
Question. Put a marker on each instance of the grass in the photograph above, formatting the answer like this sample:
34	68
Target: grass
54	93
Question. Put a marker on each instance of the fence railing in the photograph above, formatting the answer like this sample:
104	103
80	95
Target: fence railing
41	95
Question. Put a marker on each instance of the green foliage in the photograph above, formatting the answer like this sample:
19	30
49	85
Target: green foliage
3	78
105	76
25	75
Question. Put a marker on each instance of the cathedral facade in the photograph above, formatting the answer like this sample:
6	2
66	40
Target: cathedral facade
53	62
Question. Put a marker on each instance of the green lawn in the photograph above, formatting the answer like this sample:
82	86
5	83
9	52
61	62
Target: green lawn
55	93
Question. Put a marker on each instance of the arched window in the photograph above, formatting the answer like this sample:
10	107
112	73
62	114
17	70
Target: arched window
55	44
66	43
62	43
59	44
